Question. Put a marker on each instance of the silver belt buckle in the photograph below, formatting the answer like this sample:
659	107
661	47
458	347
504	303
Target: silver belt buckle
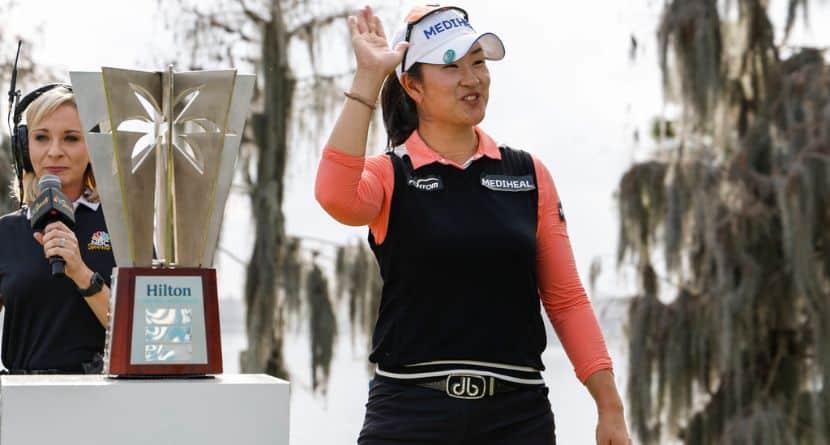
466	386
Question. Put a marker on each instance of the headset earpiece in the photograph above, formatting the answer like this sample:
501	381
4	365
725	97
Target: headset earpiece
20	148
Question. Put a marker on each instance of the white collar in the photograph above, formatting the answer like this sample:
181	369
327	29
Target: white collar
87	203
80	201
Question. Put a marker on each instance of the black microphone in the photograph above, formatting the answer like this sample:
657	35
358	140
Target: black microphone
51	206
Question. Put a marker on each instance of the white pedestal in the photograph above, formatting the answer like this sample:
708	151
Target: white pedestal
241	409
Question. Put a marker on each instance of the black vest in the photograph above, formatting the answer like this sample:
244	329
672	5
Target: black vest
47	323
459	265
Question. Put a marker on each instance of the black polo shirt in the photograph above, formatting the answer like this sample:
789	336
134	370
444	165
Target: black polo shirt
459	265
47	324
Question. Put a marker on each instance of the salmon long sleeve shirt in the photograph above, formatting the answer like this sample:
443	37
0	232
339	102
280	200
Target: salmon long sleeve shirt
357	191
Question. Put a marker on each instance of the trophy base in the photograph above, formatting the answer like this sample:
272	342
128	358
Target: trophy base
162	377
236	409
163	322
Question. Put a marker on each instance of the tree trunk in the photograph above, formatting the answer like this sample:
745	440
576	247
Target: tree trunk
264	320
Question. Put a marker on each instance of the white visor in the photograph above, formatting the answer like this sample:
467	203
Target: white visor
443	37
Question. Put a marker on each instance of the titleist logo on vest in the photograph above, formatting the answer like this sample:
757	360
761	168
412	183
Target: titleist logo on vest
428	184
503	183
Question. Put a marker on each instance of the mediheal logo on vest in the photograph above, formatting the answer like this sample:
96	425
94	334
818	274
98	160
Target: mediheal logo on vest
502	183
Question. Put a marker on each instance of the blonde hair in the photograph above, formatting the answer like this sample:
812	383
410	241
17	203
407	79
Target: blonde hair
38	110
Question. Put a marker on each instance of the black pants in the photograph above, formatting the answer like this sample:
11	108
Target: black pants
406	414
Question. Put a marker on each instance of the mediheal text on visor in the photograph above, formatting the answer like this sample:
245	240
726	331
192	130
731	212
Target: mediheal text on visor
445	25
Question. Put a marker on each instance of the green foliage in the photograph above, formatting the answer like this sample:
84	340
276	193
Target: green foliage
662	129
740	354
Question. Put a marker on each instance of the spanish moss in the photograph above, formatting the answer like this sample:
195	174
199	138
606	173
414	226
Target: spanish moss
323	327
291	280
358	277
728	337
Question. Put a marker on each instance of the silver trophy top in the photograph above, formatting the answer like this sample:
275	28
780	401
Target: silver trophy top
163	146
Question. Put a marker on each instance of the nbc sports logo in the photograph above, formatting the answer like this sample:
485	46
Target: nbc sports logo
100	241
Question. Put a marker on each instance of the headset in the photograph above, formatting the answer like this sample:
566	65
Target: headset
20	132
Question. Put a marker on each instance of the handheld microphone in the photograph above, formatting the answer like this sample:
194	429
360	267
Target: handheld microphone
50	206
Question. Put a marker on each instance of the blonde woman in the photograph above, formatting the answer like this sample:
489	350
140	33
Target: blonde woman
54	324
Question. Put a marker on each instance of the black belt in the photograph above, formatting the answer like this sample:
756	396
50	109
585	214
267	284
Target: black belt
467	386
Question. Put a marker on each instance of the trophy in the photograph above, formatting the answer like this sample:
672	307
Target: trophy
163	146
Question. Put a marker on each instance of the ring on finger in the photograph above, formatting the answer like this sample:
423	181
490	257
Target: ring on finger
62	242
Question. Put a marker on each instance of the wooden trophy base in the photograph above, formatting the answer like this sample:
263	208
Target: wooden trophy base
163	322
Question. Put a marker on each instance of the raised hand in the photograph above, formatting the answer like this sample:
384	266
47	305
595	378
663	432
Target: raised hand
371	47
375	62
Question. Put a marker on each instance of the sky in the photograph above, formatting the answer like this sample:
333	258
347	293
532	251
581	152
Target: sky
567	91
